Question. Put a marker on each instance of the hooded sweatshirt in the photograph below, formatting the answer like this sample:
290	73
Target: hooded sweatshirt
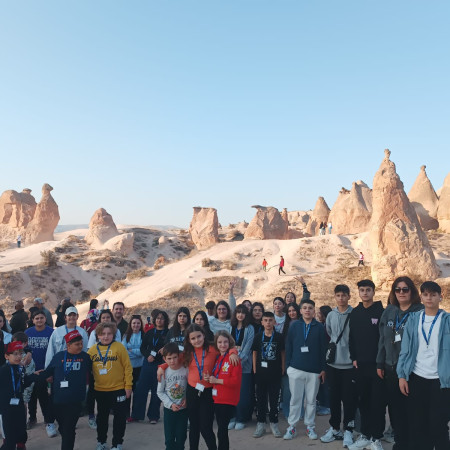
388	348
335	324
364	332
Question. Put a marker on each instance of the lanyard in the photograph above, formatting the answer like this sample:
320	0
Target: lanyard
155	343
200	369
103	360
269	345
399	324
427	340
220	365
16	386
237	333
67	370
306	330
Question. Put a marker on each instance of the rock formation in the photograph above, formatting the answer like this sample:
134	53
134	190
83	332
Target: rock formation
425	201
299	219
443	213
101	228
353	209
398	244
45	219
123	243
204	227
268	223
320	214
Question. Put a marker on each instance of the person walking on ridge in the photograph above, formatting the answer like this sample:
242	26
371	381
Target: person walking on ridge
264	264
280	269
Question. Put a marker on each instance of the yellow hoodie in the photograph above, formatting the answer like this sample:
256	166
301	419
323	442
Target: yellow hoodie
119	372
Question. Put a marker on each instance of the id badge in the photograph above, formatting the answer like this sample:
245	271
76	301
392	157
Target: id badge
200	387
214	392
64	384
264	364
304	349
181	348
397	338
103	372
14	401
153	353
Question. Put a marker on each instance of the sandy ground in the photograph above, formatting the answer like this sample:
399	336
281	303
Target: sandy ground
142	435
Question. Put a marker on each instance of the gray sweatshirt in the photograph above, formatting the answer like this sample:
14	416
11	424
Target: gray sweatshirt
335	324
172	388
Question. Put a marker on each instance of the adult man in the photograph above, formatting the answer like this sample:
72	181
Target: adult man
122	324
19	318
39	304
57	342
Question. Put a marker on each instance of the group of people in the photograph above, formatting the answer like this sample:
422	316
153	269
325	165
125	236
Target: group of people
231	360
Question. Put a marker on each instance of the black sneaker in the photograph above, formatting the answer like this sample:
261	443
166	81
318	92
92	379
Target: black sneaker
31	423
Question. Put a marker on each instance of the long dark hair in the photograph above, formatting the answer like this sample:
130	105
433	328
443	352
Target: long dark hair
252	319
106	311
415	297
188	347
129	331
244	310
4	327
205	320
223	303
288	320
176	326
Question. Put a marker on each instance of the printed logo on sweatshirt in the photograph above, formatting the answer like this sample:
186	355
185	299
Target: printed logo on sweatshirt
226	367
177	392
374	321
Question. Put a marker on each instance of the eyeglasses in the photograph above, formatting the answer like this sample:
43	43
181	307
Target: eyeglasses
401	289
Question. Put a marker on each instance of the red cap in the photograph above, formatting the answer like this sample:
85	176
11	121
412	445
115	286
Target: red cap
13	346
72	335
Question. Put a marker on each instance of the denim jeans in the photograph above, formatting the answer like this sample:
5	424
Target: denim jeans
147	382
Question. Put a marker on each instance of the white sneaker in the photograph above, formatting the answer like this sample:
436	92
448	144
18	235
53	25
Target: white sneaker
239	426
331	435
275	430
361	443
388	435
311	433
51	430
260	430
291	432
92	424
348	439
101	446
232	424
376	445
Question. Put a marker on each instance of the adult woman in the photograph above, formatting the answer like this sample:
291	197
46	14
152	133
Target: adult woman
256	317
151	346
132	342
243	334
181	322
105	316
221	321
201	319
403	300
278	310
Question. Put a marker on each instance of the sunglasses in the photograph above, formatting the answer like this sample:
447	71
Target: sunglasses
403	289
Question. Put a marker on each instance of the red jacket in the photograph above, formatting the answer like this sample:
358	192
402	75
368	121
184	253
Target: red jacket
228	393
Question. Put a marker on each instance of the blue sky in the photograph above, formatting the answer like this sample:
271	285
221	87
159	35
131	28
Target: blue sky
148	108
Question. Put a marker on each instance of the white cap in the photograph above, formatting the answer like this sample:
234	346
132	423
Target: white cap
71	310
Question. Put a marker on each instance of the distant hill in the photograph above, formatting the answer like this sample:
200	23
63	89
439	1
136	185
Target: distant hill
62	228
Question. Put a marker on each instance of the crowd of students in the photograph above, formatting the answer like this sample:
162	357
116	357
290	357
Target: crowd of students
359	364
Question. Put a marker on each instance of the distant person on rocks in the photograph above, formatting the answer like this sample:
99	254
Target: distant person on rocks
281	268
264	264
19	241
19	318
39	304
122	324
361	259
330	227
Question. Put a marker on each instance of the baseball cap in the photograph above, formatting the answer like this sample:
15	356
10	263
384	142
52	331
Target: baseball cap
71	310
71	336
13	346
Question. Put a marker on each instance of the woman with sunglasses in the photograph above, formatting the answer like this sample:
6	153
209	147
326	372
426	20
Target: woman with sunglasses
403	300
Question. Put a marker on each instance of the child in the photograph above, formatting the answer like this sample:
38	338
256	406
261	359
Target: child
12	408
113	382
268	367
69	369
172	392
226	380
424	372
306	346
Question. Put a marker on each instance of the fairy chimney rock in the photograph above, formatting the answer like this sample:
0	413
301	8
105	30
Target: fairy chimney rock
425	201
443	213
268	223
320	214
398	244
101	228
204	227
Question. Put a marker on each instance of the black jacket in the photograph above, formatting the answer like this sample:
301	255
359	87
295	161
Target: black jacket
19	321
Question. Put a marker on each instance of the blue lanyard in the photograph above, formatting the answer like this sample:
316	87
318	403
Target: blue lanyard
67	370
237	333
103	360
155	343
220	365
16	386
269	345
200	369
399	324
306	330
427	339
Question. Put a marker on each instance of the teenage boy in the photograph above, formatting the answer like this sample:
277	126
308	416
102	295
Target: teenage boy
172	392
363	344
268	367
39	304
118	311
340	371
306	346
57	342
424	372
38	339
70	369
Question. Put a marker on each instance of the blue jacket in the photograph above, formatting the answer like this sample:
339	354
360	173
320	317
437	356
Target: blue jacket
410	347
312	361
